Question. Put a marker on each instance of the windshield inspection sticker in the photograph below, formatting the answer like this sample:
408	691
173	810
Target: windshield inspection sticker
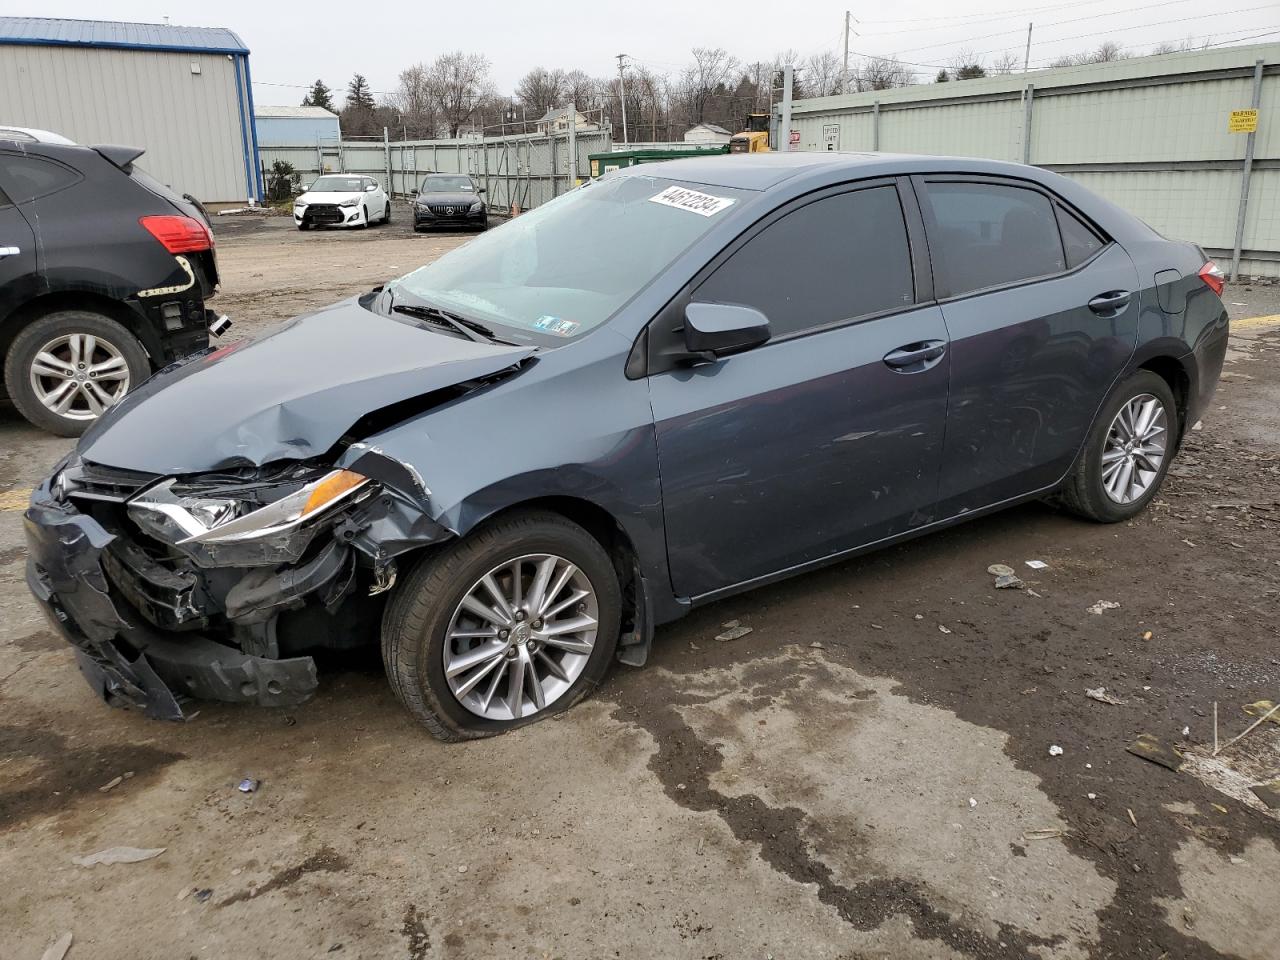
703	204
561	328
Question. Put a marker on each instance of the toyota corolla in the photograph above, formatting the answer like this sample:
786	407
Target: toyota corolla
670	385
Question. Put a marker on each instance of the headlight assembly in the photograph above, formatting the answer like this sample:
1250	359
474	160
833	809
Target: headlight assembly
477	207
182	520
350	203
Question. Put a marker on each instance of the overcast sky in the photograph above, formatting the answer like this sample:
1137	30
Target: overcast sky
293	44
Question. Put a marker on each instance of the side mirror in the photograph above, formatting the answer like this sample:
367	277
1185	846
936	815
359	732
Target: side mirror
307	186
370	188
717	329
479	189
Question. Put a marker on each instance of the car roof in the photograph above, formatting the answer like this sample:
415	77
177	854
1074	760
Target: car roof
761	171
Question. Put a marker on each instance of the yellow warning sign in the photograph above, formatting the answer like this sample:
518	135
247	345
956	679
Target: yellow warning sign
1242	121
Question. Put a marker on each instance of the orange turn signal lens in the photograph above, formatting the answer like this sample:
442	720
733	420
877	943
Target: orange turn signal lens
330	488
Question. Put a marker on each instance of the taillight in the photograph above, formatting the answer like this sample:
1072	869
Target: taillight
1213	277
179	234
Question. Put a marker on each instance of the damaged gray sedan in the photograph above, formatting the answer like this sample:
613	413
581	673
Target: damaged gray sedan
676	383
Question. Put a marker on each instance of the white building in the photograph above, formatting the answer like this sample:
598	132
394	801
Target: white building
183	94
707	133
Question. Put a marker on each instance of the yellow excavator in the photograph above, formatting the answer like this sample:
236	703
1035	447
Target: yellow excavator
754	138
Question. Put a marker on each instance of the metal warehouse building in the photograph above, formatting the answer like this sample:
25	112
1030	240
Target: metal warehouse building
291	126
1164	137
181	93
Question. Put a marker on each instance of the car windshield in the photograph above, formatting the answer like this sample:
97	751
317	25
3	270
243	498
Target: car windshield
448	185
567	266
336	185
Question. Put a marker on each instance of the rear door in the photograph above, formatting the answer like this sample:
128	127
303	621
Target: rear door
19	274
814	442
1039	332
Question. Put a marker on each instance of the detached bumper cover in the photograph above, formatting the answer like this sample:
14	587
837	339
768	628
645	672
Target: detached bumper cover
131	663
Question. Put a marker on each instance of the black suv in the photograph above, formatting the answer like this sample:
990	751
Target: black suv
449	200
104	273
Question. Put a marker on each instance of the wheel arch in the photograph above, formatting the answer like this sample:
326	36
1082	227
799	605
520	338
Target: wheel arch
60	300
1174	373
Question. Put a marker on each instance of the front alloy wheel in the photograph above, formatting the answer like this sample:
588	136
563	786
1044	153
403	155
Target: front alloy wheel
515	622
520	637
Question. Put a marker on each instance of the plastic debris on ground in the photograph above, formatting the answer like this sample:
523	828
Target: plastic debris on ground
202	896
1055	751
248	785
118	855
735	632
1037	565
111	784
943	629
1262	708
1102	605
1150	747
1047	833
1010	582
973	802
1000	570
1100	694
58	949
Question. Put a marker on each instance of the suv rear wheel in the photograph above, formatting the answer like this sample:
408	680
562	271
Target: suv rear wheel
66	368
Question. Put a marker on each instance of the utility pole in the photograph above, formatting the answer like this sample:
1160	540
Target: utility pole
622	96
844	74
784	128
1026	60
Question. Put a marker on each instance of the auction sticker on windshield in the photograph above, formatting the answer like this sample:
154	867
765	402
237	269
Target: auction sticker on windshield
682	198
563	328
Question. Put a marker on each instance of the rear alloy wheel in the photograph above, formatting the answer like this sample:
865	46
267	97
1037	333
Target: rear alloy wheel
67	368
517	622
1128	452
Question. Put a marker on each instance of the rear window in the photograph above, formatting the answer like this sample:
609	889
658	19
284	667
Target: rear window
990	234
25	178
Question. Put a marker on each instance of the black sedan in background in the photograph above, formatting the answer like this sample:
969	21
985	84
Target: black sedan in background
670	385
449	200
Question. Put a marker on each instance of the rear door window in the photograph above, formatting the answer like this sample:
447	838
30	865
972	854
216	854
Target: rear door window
1078	238
25	178
989	234
834	259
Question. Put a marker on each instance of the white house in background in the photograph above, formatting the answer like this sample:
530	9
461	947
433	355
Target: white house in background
557	121
707	133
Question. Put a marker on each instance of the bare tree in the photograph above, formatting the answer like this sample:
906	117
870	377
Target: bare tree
1007	62
414	103
458	83
822	74
883	73
579	88
708	76
1108	52
967	65
1180	47
541	90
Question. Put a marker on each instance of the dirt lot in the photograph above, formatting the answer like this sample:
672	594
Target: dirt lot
851	780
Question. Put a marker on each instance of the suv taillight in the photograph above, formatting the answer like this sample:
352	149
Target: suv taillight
1213	277
179	234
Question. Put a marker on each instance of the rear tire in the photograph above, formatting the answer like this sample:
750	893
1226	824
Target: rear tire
386	217
422	612
122	364
1109	497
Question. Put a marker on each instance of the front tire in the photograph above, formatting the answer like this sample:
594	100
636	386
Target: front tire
1128	452
364	224
515	623
65	369
386	217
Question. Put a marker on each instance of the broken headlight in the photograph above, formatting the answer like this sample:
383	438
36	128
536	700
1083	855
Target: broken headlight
178	519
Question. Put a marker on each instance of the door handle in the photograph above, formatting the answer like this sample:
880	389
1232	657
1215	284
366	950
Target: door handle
915	357
9	251
1111	301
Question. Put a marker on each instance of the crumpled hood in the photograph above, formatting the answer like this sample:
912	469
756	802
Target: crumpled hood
287	396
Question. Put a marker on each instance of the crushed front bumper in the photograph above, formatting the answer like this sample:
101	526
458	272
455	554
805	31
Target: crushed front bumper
126	661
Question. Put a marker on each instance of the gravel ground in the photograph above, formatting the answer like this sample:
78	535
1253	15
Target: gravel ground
847	781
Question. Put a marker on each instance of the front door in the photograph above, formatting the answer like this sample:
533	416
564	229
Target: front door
828	436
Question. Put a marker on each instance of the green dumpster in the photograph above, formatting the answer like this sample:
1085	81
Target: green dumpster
602	163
